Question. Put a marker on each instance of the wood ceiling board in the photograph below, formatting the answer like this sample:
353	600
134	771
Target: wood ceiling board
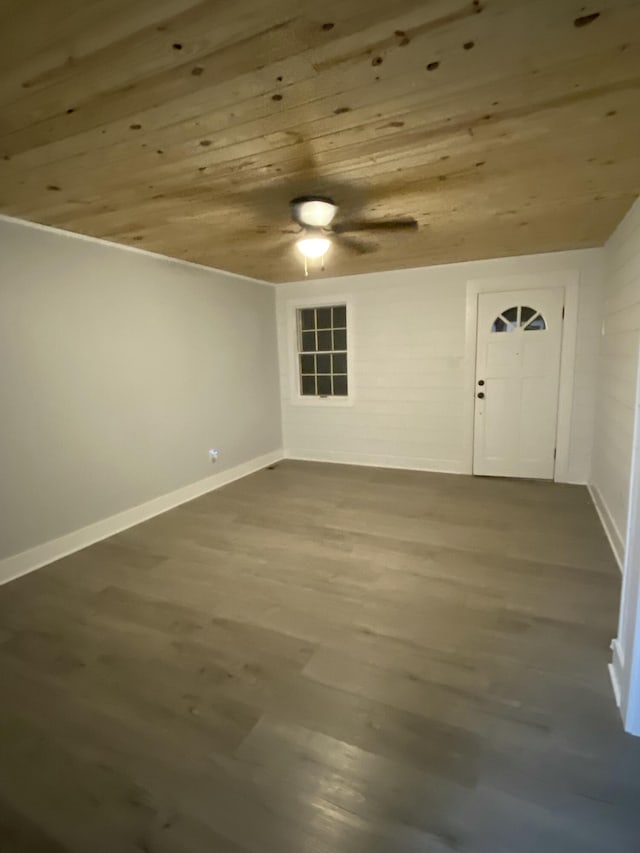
502	135
501	128
549	108
306	99
274	147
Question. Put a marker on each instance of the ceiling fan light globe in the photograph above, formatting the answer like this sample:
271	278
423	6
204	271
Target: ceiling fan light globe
316	213
313	247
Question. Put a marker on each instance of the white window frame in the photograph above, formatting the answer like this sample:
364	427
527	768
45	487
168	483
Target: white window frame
295	397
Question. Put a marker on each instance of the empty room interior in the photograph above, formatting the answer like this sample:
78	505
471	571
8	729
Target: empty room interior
319	426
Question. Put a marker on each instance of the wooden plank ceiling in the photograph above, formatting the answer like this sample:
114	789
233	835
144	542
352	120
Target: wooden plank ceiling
503	126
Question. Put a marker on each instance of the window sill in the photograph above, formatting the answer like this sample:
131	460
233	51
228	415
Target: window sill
327	402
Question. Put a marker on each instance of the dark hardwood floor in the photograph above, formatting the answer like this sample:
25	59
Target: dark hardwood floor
323	659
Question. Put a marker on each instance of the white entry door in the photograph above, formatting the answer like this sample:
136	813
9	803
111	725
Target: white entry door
519	341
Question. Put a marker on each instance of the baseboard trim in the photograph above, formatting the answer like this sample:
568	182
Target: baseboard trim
613	675
404	463
616	668
34	558
610	528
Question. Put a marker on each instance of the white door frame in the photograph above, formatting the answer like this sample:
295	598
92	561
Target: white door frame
568	279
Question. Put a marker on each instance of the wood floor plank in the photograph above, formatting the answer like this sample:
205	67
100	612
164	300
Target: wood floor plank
323	657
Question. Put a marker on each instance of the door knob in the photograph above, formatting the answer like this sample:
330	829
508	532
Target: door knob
481	396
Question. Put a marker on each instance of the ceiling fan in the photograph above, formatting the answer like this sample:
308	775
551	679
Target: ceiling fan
315	215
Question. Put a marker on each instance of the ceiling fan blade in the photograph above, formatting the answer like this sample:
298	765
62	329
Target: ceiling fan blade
407	224
353	244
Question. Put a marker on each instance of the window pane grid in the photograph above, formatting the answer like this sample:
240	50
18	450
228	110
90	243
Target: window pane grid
519	317
322	351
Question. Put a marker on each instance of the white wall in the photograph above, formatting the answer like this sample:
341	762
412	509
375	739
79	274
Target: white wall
119	370
615	478
620	335
408	366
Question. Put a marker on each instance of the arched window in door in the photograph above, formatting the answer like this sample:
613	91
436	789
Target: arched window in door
519	317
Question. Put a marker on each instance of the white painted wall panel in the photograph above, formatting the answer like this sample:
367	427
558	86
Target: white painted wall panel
617	372
408	365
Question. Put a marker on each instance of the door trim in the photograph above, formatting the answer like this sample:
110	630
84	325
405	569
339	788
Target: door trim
567	279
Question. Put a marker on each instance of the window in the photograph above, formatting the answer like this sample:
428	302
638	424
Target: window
519	317
322	351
